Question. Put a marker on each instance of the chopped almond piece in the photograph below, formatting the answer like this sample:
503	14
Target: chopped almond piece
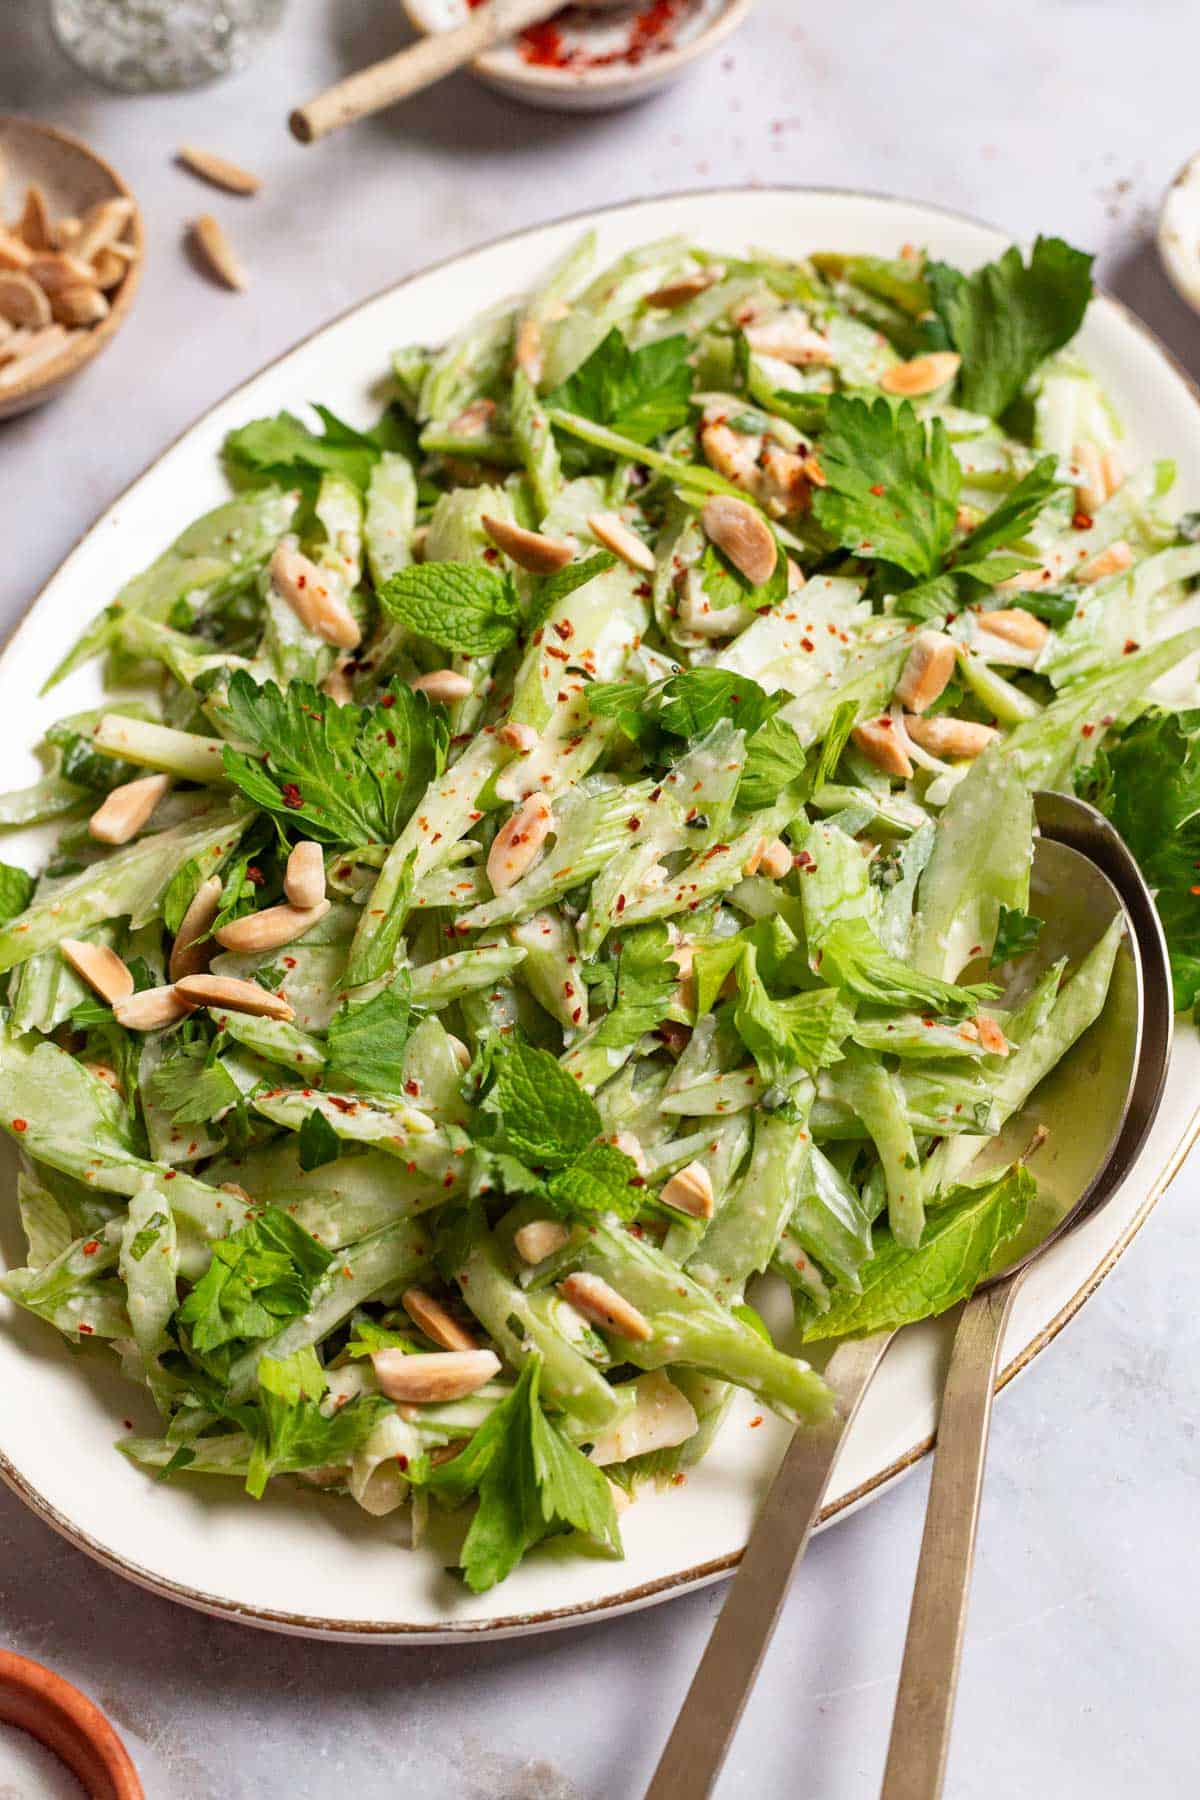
518	844
1113	561
691	1192
79	306
539	1239
879	739
528	549
740	530
22	301
123	813
151	1010
921	375
430	1316
1015	626
443	686
192	948
234	995
271	928
603	1306
949	737
612	531
100	967
427	1380
927	671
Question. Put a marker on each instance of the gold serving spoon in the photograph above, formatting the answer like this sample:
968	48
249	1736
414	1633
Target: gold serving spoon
419	66
1091	1116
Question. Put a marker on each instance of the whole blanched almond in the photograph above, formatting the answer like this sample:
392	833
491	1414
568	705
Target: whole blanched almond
950	737
217	252
34	227
879	740
530	550
219	170
691	1191
616	535
100	967
192	948
921	375
518	844
426	1380
123	813
271	928
740	530
101	225
79	306
22	301
601	1304
446	687
539	1239
233	995
304	878
927	671
430	1316
55	270
151	1010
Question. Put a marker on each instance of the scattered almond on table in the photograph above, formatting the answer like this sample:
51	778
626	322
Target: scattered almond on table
55	278
216	252
218	169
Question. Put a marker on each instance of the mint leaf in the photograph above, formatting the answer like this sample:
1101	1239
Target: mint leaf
465	607
317	1143
646	980
640	393
688	705
893	487
775	759
544	1115
531	1481
851	957
956	1251
551	590
1009	316
260	1276
365	1044
1012	520
16	891
1016	933
600	1180
342	774
293	1432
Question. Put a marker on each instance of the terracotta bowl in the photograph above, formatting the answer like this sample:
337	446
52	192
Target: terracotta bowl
72	178
69	1724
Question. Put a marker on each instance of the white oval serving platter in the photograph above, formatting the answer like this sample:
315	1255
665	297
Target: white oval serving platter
307	1563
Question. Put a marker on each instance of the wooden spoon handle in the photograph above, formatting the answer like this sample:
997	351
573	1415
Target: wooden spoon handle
916	1764
419	66
722	1684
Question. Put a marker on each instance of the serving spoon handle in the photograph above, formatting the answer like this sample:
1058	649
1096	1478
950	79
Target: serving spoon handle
721	1685
916	1763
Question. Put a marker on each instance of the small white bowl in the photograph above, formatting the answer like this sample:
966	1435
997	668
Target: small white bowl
601	60
1179	232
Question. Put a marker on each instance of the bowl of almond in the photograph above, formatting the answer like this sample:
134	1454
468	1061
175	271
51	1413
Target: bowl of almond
70	255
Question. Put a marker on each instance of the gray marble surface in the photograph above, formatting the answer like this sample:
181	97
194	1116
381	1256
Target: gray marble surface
1079	1674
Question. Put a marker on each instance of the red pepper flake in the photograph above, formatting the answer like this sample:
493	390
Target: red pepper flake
678	1480
391	738
20	1124
756	1421
633	824
91	1247
577	1015
413	1088
807	644
85	1330
343	1106
878	489
255	874
292	796
345	872
1087	730
1129	646
620	909
387	700
128	1424
1082	521
1195	890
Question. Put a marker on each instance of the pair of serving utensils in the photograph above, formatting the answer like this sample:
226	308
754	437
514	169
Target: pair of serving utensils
1091	1118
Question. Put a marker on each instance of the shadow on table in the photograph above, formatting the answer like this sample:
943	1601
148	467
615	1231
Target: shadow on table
1139	280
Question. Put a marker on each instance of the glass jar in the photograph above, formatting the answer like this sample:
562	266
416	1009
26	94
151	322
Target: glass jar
144	45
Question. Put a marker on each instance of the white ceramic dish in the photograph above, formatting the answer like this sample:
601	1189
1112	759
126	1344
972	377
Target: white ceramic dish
595	61
310	1564
1179	232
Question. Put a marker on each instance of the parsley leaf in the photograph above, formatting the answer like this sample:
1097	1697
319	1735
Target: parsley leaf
192	1085
260	1276
344	774
836	739
16	891
804	1031
532	1482
465	607
365	1044
1147	781
283	449
931	599
293	1432
851	957
646	980
317	1143
892	487
640	393
545	1116
775	759
1016	933
1009	316
956	1251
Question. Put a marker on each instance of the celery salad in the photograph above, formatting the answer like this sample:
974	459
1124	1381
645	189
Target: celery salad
560	856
